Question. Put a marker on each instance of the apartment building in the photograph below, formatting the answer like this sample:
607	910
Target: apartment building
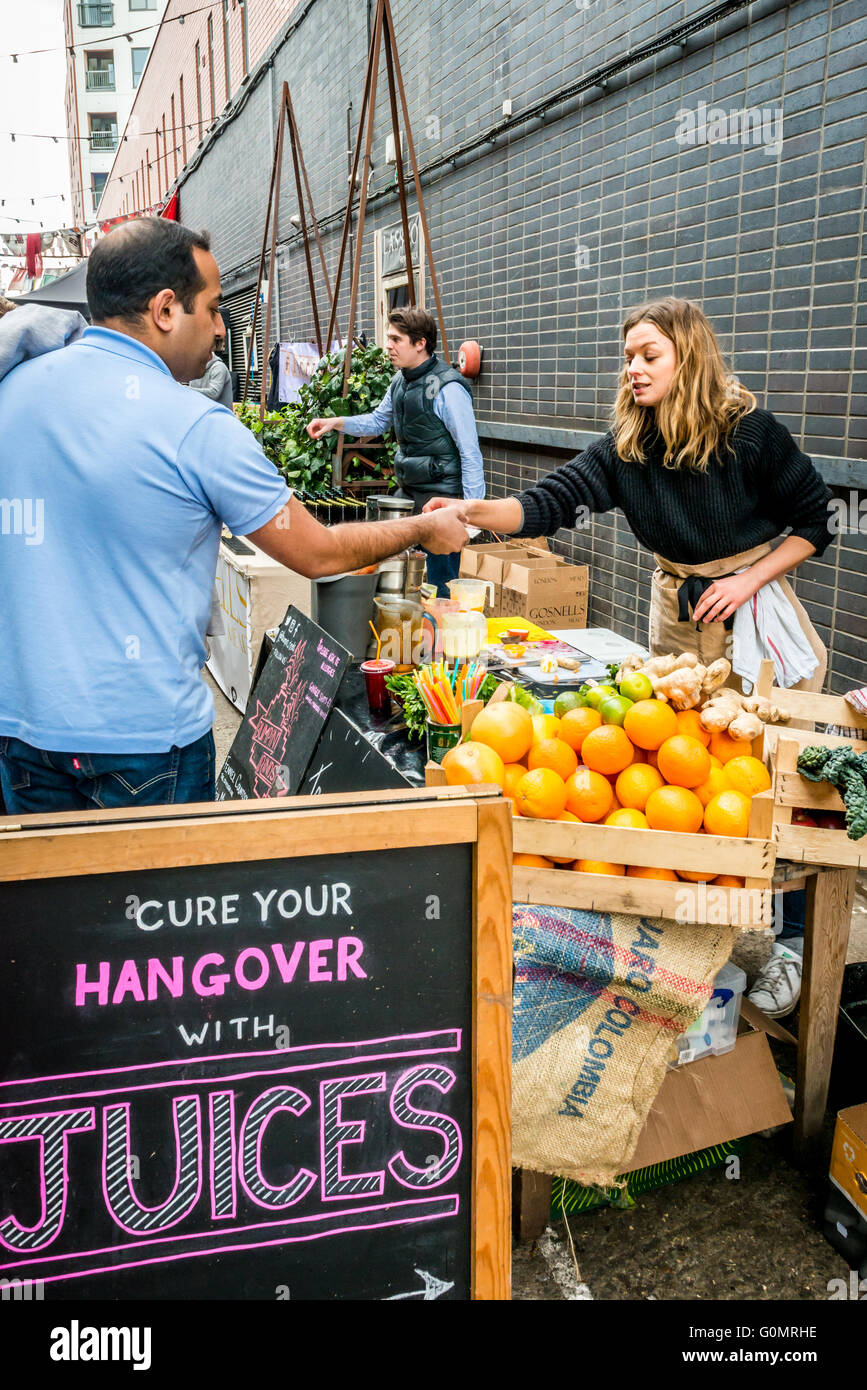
108	44
203	56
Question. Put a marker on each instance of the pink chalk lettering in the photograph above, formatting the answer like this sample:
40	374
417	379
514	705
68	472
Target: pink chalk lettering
224	1188
217	983
252	953
317	959
406	1115
128	982
120	1199
52	1133
334	1182
83	986
256	1121
157	974
349	950
287	968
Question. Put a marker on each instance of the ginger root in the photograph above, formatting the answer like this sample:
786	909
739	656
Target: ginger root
681	687
742	715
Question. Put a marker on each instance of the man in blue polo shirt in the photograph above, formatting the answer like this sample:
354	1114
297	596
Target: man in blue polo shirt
116	482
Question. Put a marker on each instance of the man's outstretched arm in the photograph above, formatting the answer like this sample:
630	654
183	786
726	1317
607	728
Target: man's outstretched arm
295	539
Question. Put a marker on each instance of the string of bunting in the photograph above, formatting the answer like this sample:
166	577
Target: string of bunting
121	34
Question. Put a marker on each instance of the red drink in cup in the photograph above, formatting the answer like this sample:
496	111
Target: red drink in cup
375	672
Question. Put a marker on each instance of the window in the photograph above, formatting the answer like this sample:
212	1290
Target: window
98	182
99	72
199	86
142	4
103	132
226	48
98	16
183	117
244	49
139	58
211	64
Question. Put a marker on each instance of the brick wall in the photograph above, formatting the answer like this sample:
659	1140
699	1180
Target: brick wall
544	236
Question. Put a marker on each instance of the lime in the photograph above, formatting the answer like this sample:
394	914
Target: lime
570	699
613	710
636	686
597	693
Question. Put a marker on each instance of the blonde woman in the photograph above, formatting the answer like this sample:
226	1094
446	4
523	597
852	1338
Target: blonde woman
705	479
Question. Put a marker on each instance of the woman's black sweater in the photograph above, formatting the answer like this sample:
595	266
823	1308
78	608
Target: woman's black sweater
742	500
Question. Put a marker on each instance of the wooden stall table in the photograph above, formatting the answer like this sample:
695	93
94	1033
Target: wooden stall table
829	862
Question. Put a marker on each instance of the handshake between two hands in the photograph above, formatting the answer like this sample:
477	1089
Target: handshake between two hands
448	522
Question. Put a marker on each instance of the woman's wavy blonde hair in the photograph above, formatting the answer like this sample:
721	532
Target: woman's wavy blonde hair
703	402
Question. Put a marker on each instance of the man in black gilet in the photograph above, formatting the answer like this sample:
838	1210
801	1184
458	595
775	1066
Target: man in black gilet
429	406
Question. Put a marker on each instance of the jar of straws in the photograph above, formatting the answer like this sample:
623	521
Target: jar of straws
444	692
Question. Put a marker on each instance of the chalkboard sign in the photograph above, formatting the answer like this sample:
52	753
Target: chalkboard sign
228	1073
286	712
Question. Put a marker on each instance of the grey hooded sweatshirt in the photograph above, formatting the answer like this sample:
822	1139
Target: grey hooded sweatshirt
33	329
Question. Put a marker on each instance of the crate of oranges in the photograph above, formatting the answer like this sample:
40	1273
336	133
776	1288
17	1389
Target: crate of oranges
651	814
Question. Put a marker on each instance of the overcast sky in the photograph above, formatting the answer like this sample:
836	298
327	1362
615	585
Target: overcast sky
31	100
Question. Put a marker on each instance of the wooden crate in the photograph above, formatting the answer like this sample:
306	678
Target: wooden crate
808	844
752	858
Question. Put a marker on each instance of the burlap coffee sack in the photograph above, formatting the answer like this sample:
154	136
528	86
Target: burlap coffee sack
599	1001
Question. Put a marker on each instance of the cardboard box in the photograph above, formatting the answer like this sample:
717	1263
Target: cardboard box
713	1101
546	589
489	561
253	592
849	1156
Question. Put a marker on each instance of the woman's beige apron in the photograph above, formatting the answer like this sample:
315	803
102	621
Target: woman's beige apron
711	640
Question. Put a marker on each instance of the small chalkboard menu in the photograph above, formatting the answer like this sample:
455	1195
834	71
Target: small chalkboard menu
286	713
258	1053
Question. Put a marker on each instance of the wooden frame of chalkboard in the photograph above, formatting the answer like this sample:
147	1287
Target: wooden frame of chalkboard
94	856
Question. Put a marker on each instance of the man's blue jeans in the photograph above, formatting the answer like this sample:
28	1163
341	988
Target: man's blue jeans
442	568
34	780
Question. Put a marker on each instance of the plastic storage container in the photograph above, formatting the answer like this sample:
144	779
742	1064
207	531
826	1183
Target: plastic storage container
716	1031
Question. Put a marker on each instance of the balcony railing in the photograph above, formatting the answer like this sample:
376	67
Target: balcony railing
100	79
103	139
100	16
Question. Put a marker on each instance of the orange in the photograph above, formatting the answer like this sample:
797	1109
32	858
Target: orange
542	794
725	748
714	761
545	726
553	753
516	810
514	773
649	723
607	750
598	866
473	762
505	727
588	794
728	881
650	757
636	871
633	820
577	724
532	861
716	781
748	775
727	813
683	761
688	722
674	808
635	784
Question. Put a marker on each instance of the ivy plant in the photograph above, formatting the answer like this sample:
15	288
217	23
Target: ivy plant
305	462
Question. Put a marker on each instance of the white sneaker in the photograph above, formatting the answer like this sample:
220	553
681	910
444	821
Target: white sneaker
777	987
